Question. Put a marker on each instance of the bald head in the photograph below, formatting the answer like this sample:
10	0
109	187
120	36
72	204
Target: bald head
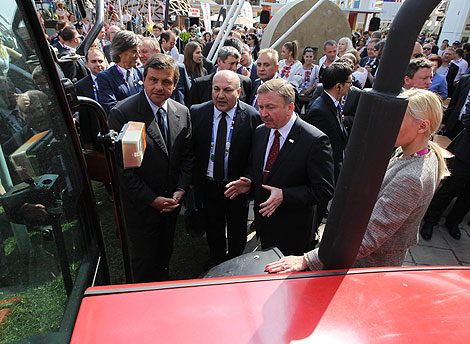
112	31
225	90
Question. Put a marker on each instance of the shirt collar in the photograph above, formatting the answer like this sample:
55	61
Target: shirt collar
285	130
93	77
155	107
333	99
230	113
123	71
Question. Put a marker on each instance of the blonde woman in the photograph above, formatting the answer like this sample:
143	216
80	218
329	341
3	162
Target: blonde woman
345	45
410	181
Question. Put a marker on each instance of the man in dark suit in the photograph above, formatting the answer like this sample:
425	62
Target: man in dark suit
326	112
71	64
370	61
87	87
123	79
220	159
456	185
267	66
291	171
248	68
453	113
201	88
152	192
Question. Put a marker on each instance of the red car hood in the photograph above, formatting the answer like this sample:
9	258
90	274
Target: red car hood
417	305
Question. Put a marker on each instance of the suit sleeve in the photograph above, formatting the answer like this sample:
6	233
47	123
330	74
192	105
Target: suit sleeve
320	170
129	179
105	93
187	158
193	94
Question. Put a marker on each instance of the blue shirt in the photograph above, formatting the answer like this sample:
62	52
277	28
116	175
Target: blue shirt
439	85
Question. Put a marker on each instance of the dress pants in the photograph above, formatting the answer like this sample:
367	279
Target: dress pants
152	245
220	212
456	185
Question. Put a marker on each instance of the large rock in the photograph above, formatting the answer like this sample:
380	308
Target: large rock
326	22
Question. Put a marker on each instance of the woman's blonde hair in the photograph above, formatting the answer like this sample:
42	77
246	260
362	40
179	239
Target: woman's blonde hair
425	105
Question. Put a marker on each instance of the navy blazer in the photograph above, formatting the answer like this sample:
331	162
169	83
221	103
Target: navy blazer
323	115
112	88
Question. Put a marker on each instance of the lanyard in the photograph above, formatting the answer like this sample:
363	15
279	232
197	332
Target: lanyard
95	93
136	85
227	144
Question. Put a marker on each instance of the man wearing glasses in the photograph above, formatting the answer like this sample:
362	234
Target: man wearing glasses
167	42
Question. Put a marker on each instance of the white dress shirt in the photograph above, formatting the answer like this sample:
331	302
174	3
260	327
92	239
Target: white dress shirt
284	131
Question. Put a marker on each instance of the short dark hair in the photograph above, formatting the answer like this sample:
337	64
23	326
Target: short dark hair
68	33
234	42
417	64
162	62
165	35
225	52
337	72
460	52
466	46
329	42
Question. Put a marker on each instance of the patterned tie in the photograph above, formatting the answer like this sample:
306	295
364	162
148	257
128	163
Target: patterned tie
161	124
273	152
130	82
219	157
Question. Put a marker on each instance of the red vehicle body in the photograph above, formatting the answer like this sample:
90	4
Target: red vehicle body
403	305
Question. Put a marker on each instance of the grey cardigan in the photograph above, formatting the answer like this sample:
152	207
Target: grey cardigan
407	189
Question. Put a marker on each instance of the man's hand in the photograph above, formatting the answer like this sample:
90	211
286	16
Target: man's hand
164	204
245	72
275	199
237	187
177	195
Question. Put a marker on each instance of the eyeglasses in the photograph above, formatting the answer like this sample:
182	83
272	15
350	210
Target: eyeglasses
426	48
172	43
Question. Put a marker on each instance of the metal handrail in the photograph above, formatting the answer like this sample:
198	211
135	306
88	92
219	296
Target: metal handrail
222	29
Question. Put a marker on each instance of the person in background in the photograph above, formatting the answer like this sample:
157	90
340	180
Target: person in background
359	74
439	83
193	60
148	47
418	74
310	74
330	55
290	68
344	46
412	177
443	47
253	42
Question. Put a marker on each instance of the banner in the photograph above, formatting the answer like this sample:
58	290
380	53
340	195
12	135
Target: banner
247	11
206	15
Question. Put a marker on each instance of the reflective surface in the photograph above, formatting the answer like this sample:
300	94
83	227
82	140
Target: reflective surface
41	244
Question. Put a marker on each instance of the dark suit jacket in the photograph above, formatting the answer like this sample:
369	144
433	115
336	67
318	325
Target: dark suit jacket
323	115
73	70
107	52
367	60
246	121
112	87
207	49
253	72
254	90
201	89
164	169
460	146
88	123
350	106
182	87
450	77
304	171
451	115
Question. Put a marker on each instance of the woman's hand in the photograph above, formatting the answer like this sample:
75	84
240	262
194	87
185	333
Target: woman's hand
288	264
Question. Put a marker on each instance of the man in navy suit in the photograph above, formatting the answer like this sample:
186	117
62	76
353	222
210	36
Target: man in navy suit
239	123
152	193
291	171
266	69
87	87
123	79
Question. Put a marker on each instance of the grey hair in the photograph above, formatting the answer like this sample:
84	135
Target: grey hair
245	47
225	52
152	42
123	41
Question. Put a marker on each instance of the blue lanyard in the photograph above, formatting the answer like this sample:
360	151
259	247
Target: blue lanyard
229	140
94	90
136	85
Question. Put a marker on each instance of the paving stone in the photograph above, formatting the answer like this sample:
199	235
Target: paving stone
437	239
461	248
425	255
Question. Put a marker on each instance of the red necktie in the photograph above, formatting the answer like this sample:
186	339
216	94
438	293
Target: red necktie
273	152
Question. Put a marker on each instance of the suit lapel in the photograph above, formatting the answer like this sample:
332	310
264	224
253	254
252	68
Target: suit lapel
173	118
152	128
260	150
334	112
239	118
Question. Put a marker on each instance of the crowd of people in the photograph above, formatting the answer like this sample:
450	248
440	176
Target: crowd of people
256	125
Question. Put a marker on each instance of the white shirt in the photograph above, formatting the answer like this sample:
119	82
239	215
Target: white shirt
322	60
215	126
463	66
284	131
155	108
